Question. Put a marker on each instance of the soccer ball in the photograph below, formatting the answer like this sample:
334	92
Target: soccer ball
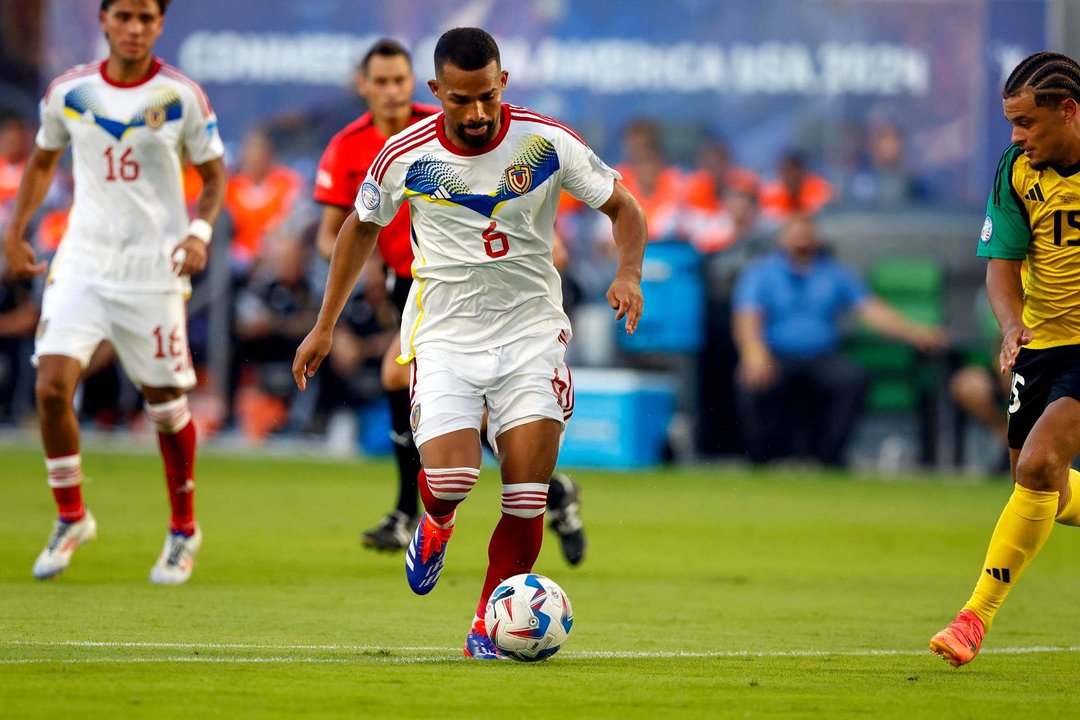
528	617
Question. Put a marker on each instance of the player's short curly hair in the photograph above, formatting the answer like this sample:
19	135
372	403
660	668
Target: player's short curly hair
1053	77
468	48
162	5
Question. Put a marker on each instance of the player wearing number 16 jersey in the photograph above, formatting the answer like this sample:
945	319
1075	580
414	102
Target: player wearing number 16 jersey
484	325
121	272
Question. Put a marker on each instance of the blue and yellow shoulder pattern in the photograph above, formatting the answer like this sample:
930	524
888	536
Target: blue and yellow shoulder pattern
534	161
161	106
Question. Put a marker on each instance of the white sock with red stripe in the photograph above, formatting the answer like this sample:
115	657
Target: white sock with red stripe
443	489
65	479
524	500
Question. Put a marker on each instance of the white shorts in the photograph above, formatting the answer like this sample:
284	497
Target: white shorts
148	330
521	382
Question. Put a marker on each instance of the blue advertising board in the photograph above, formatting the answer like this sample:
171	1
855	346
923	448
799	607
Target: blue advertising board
766	75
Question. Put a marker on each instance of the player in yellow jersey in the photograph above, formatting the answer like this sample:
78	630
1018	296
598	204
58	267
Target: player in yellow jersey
1031	237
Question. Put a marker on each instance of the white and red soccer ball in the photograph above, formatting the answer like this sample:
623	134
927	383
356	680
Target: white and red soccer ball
528	617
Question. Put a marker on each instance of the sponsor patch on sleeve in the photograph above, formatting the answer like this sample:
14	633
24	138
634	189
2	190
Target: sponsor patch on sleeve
987	231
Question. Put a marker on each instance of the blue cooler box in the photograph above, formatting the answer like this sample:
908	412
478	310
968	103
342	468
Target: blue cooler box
620	419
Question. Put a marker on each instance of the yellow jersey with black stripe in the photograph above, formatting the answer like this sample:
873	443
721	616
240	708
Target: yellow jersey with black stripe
1034	215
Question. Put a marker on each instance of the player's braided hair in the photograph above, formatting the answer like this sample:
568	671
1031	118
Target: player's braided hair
162	5
1053	77
468	48
383	48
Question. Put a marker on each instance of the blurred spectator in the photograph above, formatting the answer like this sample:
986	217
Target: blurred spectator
587	235
720	200
260	196
304	132
657	186
796	190
718	432
353	371
16	141
274	310
794	385
50	231
983	394
107	399
978	389
192	185
18	318
884	179
716	176
18	308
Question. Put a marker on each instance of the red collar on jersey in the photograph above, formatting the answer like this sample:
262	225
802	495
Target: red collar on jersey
440	130
155	65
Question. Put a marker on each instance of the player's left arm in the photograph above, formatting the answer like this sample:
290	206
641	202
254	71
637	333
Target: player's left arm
1005	288
628	226
1004	241
189	257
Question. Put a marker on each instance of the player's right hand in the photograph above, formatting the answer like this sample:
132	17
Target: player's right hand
309	356
626	300
1012	339
21	259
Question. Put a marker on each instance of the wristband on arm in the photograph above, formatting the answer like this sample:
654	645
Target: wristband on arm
201	229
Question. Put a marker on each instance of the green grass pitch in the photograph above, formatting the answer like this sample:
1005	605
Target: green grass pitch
705	593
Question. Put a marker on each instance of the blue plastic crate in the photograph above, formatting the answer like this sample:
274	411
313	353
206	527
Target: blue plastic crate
373	419
620	419
674	291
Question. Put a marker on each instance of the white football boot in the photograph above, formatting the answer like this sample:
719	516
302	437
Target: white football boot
65	537
177	558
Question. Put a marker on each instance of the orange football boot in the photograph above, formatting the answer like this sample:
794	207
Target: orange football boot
960	642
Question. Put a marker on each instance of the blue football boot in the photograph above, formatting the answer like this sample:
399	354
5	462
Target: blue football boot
478	645
426	555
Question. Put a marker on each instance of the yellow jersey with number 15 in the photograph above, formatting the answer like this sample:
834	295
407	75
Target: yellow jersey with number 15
1034	215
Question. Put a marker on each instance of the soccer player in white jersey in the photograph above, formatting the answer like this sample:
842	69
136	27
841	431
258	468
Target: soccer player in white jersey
484	325
122	270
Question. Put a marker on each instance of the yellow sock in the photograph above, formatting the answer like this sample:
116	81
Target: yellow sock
1070	514
1023	527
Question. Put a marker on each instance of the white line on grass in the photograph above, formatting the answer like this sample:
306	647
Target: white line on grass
218	646
373	653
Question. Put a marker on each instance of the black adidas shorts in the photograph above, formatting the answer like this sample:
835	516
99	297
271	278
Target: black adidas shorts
1039	378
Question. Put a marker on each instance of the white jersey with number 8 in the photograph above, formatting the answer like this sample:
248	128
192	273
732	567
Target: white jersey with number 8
483	226
127	142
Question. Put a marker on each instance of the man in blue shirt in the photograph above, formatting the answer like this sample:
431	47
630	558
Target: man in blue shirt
791	377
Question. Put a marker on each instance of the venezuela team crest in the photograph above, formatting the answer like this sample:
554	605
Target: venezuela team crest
154	117
519	178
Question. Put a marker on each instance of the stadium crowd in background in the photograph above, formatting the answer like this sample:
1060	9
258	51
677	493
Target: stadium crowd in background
799	395
727	212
